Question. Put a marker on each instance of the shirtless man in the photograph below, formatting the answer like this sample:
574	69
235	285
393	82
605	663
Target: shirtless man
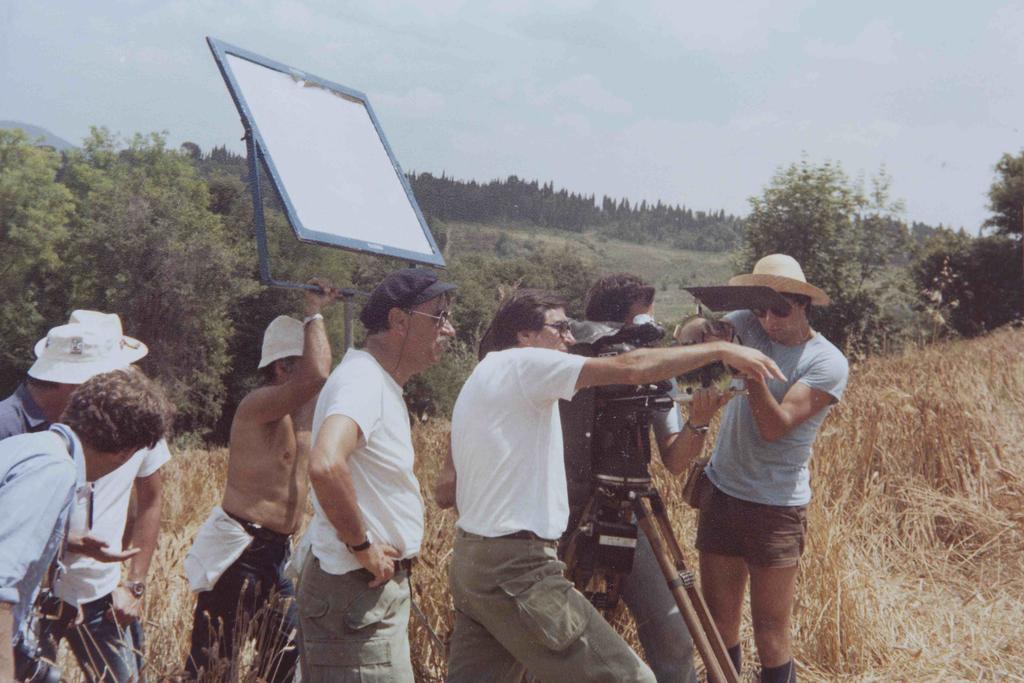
237	561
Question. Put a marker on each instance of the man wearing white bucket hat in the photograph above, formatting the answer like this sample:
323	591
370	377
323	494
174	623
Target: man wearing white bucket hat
89	604
236	564
753	505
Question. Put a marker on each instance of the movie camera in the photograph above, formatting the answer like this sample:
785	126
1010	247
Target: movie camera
606	432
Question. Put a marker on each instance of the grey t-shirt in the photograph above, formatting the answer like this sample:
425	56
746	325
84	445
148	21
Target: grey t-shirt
746	466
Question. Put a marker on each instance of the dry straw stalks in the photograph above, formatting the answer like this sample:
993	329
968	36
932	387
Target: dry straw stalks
914	569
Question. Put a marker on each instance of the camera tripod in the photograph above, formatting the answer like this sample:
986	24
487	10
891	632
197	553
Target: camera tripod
600	551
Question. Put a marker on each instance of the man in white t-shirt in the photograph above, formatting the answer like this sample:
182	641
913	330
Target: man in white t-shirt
367	525
515	609
89	604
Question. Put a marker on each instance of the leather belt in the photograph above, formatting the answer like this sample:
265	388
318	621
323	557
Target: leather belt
260	532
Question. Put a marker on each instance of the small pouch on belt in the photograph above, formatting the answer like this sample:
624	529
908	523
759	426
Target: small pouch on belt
696	482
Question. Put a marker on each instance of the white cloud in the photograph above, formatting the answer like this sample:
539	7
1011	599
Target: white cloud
576	124
877	43
729	27
418	103
586	91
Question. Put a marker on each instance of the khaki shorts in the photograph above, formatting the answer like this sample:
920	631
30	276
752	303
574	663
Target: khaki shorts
763	535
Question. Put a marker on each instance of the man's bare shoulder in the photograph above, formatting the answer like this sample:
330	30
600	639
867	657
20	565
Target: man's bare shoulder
248	407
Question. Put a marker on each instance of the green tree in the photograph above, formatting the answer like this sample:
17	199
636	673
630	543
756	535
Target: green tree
145	244
844	238
34	210
290	260
974	283
1006	196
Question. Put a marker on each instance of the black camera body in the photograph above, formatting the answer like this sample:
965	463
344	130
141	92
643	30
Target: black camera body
606	429
606	435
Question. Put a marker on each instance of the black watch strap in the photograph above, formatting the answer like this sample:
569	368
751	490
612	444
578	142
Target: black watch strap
361	547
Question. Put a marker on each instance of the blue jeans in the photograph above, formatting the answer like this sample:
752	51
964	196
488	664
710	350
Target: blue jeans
105	651
252	599
662	631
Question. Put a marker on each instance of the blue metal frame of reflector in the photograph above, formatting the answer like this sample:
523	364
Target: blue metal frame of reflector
258	154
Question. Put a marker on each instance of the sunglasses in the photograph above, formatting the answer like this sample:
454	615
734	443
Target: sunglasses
778	311
562	327
444	316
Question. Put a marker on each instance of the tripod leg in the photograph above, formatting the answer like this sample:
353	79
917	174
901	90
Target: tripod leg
570	551
661	516
688	598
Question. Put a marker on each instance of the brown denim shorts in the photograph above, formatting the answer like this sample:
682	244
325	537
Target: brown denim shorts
763	535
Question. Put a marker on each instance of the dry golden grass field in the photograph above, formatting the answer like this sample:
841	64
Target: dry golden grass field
915	564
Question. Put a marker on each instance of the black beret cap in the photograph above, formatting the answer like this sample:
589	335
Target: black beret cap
401	289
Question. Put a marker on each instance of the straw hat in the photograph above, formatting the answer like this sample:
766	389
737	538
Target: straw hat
284	337
783	274
91	344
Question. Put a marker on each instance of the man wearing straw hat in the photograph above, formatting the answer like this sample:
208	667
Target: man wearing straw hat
753	519
236	564
89	603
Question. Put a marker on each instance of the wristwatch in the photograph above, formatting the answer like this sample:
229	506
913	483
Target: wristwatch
698	429
310	318
136	588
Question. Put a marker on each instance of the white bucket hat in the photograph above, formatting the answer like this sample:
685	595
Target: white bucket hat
91	344
783	274
284	337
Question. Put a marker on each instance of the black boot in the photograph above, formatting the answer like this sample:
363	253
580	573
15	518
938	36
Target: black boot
784	673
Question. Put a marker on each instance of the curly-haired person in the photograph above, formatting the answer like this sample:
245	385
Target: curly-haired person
42	474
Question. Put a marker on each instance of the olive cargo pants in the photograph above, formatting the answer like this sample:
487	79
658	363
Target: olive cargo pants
515	610
351	632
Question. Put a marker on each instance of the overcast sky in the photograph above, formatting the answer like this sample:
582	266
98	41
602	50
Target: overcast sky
692	103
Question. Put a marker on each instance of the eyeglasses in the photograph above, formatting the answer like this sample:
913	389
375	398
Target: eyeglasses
562	327
440	320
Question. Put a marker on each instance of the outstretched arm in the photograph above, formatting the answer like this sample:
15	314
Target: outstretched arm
653	365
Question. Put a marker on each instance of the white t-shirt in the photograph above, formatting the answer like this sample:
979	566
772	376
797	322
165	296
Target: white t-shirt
507	443
387	491
87	579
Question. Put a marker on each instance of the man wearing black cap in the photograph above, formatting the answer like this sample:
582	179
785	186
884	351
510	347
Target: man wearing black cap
367	524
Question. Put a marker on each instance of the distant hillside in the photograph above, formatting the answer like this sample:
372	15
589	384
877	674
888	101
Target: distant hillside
518	203
35	132
522	201
666	268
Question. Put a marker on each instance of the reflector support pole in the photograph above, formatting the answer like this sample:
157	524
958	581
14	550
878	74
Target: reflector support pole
262	250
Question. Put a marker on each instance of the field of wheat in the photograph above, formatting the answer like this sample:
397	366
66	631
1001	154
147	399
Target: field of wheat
914	569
